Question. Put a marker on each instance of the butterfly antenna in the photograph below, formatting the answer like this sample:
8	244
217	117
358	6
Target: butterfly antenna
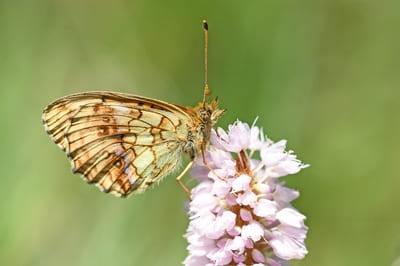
207	91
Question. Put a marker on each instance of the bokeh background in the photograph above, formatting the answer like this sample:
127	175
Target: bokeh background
323	74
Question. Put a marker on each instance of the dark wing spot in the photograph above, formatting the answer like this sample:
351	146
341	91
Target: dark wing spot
102	131
119	163
96	108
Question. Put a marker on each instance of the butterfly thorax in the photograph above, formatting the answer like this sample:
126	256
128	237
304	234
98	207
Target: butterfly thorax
205	117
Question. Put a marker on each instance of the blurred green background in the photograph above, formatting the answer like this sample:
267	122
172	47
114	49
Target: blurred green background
323	74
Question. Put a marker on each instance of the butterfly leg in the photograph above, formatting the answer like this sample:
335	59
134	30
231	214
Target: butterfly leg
184	172
219	136
209	167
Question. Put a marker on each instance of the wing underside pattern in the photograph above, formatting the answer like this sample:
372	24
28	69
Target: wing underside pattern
119	142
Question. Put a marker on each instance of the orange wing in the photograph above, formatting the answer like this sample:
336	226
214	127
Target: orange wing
122	143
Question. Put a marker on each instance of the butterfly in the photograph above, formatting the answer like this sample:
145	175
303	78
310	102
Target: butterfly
125	143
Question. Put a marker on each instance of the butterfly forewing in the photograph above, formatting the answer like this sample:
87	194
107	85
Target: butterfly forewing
122	143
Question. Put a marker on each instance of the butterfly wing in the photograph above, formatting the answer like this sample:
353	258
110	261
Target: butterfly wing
122	143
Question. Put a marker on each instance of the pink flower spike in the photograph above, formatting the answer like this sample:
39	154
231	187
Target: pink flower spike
246	217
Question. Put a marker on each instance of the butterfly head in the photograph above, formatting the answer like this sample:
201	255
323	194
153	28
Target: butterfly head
209	113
